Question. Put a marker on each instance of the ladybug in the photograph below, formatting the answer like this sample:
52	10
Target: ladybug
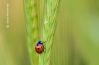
39	48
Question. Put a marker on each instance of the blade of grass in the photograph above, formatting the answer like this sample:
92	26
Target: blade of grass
32	29
48	29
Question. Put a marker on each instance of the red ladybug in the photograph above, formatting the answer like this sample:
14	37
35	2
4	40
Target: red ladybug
39	47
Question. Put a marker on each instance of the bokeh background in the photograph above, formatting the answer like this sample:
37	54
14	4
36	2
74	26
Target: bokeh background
76	40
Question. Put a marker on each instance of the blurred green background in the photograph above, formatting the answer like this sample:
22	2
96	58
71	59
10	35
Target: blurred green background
76	40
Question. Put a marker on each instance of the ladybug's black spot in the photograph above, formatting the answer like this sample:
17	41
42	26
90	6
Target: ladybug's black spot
38	48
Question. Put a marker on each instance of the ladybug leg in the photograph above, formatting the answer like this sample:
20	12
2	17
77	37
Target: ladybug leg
44	43
44	47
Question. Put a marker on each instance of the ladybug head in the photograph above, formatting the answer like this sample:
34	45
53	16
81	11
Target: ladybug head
39	42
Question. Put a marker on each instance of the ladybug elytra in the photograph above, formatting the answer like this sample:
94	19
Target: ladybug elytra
39	47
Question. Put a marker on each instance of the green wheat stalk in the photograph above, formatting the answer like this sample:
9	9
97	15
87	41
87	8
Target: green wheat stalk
49	25
48	29
32	29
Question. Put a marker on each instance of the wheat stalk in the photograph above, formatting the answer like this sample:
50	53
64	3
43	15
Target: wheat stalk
48	29
32	29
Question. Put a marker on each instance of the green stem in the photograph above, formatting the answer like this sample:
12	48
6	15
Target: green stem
48	29
32	29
